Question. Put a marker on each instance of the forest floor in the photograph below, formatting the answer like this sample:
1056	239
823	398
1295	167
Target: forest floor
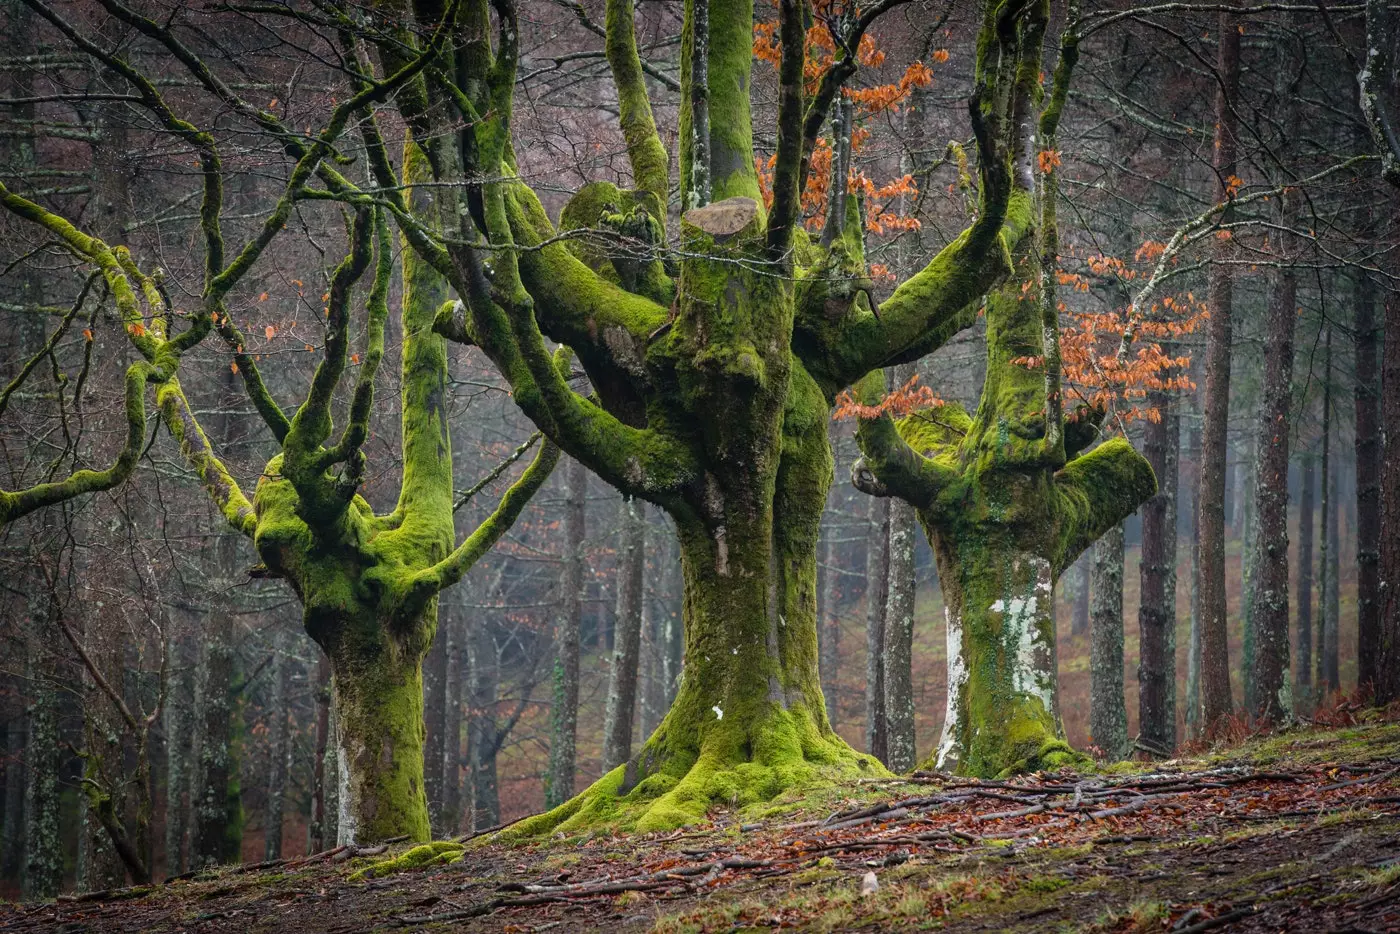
1298	831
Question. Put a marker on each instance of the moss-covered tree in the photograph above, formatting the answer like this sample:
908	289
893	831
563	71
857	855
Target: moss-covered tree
1006	497
716	408
368	583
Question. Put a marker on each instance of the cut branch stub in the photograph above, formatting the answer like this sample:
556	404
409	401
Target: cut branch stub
725	218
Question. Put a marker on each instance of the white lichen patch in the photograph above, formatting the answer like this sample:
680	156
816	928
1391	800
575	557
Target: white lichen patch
719	714
948	752
1024	628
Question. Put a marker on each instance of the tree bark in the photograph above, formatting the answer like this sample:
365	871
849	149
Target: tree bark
621	711
1216	701
1157	606
1273	700
1387	675
450	621
12	847
482	732
435	727
210	842
1108	714
1307	534
1328	670
1079	609
877	578
830	628
277	745
43	843
1367	396
318	833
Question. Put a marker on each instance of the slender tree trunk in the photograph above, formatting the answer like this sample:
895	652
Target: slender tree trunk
12	847
434	713
1387	640
1215	654
482	734
1248	538
877	578
1108	715
564	715
43	844
1157	606
316	828
1328	676
277	745
898	652
675	635
622	683
1367	396
830	628
450	623
1303	699
1079	610
179	703
210	801
1273	700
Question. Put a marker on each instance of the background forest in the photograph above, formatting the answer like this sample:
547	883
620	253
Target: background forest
155	675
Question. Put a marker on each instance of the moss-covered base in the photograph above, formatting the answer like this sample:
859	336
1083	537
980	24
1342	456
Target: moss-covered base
679	789
1054	753
437	853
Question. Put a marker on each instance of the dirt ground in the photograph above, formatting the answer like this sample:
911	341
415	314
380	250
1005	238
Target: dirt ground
1295	832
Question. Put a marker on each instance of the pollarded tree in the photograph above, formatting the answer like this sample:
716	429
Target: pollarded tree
1007	499
368	583
715	409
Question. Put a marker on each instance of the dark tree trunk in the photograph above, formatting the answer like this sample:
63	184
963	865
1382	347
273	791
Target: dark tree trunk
1304	700
43	845
829	628
877	579
622	683
1368	476
1328	674
435	727
1108	715
277	745
1079	609
482	734
564	720
1273	701
450	622
316	829
1157	607
12	846
1387	675
1215	653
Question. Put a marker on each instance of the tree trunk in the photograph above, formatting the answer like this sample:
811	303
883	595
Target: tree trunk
1367	394
434	714
877	578
277	745
897	655
622	683
482	733
1215	653
1108	714
43	843
1303	696
1157	606
1328	675
318	833
1273	700
12	847
1079	610
179	744
450	621
1387	640
213	824
830	629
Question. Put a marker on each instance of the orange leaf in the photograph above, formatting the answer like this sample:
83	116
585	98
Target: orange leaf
87	333
269	331
233	367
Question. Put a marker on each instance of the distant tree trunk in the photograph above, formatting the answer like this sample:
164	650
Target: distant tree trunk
1193	712
1108	714
1247	539
828	626
43	843
12	846
622	682
1367	394
277	743
1368	482
564	715
434	735
482	735
1387	675
1079	609
1215	653
877	579
1328	675
450	622
179	704
336	777
1273	688
898	654
316	829
1157	607
1303	699
675	635
210	801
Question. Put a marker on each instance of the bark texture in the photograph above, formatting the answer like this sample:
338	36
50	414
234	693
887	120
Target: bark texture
1108	713
1157	591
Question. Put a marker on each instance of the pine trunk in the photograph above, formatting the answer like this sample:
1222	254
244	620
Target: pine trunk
1108	713
1273	700
1216	701
621	711
1157	606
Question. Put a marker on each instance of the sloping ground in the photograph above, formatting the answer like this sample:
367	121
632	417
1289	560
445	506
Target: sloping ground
1296	832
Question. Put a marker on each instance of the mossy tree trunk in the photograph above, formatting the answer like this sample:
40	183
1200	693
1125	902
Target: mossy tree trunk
1108	713
1006	498
1157	605
714	409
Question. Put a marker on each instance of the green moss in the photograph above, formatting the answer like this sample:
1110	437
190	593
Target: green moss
437	853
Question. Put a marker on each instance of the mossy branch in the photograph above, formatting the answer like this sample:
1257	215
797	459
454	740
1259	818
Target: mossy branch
888	465
428	583
644	149
1097	491
199	454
